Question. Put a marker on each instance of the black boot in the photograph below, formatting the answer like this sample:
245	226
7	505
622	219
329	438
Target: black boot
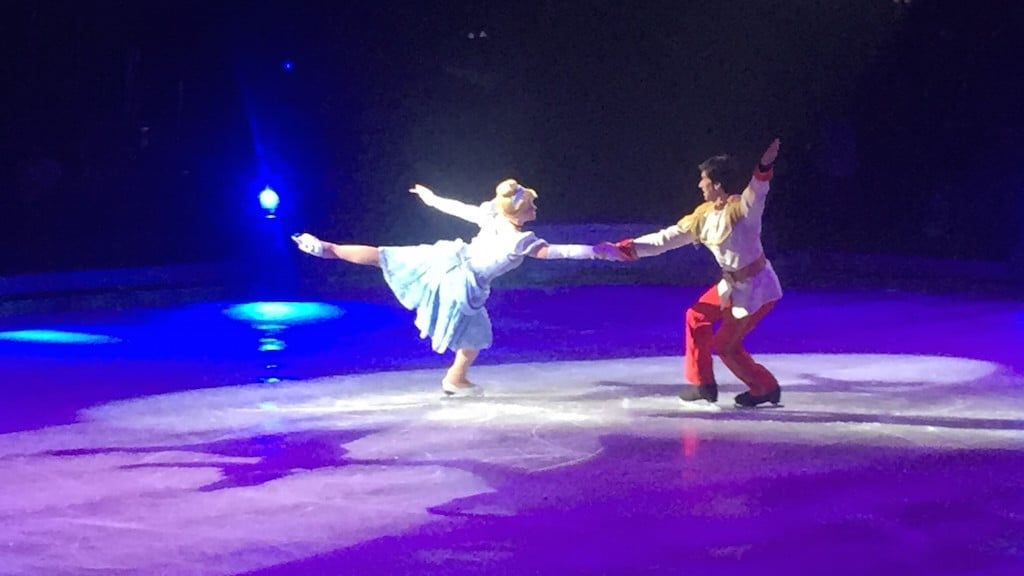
748	400
692	393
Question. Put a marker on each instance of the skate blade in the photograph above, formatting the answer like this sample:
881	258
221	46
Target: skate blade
765	406
698	405
445	395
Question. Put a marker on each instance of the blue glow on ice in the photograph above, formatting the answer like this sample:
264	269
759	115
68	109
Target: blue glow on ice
42	336
283	313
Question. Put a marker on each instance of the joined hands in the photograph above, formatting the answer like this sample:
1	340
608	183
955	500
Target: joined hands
609	251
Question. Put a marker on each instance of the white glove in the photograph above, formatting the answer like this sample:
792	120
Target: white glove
309	244
571	252
426	194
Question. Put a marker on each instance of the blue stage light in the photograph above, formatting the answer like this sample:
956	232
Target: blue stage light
269	200
56	337
283	313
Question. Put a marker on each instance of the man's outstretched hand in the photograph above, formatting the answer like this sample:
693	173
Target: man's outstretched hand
768	158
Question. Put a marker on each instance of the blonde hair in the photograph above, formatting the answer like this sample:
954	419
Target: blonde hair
510	197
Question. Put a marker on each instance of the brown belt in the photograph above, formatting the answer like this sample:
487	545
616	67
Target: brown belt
747	272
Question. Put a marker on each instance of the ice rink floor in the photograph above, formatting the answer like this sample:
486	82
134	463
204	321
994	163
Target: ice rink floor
188	439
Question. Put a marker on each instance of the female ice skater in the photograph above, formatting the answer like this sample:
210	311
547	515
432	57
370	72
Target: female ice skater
447	283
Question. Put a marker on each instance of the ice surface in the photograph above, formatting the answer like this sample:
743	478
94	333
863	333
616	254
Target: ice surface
234	479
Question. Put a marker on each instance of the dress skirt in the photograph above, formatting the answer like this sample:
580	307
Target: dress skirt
435	281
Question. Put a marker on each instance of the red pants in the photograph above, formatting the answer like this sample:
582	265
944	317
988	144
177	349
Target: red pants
727	342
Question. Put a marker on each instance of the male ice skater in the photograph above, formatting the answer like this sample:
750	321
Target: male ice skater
730	227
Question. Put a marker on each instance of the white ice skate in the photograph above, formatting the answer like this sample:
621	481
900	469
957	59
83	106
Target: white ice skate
452	391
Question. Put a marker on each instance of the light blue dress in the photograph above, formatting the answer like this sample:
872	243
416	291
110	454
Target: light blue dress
447	283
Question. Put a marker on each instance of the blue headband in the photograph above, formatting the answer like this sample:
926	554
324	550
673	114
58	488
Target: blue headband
517	197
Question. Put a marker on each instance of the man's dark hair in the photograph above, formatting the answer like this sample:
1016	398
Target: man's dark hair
720	169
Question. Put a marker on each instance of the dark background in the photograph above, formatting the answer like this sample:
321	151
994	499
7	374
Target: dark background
140	133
